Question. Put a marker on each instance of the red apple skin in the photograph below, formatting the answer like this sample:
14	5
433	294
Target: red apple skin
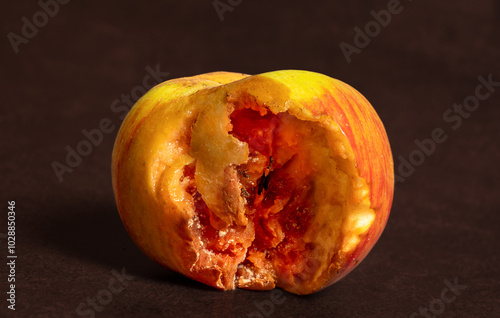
360	124
162	231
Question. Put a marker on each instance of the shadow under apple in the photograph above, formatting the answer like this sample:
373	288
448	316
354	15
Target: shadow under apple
93	233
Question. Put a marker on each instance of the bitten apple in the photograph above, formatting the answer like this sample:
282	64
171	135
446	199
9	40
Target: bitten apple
283	179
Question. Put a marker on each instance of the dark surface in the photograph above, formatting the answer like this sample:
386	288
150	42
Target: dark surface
445	217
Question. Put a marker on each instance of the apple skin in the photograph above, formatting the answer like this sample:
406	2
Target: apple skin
363	128
150	150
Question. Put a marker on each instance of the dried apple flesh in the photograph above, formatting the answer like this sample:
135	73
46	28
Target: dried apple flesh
277	189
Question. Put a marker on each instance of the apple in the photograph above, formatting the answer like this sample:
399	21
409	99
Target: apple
283	179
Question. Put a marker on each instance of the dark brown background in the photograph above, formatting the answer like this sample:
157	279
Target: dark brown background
445	217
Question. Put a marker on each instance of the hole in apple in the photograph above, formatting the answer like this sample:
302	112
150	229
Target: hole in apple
291	175
280	187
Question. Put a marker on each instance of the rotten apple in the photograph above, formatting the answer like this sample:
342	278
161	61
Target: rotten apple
283	179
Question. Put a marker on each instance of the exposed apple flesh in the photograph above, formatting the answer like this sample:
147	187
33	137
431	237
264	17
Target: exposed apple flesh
247	193
268	201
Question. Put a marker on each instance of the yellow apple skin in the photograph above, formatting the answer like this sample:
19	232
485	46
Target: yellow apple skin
155	143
